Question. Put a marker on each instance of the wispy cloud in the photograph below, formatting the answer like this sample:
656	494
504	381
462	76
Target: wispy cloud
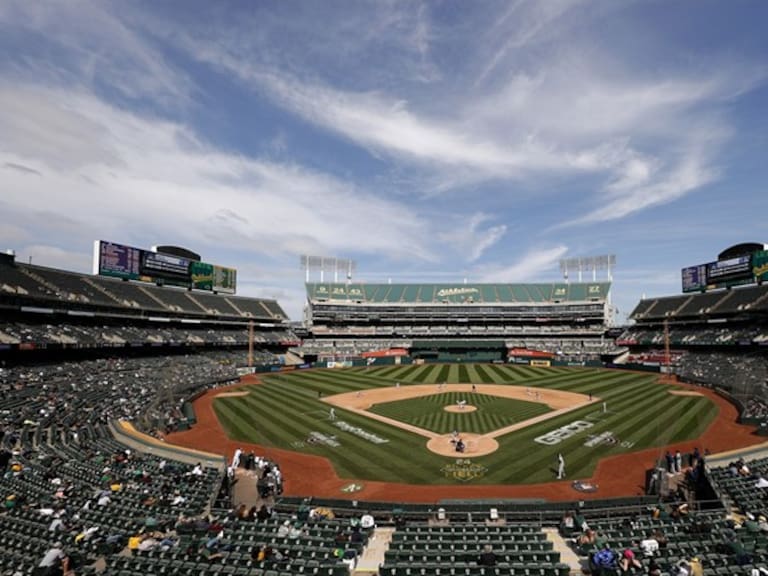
530	266
93	45
469	235
158	173
639	135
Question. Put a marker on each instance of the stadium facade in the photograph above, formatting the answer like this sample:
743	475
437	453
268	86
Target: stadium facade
458	322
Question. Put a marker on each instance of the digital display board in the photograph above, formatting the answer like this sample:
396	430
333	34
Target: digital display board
224	279
129	263
161	265
201	275
694	278
206	276
117	260
760	265
731	269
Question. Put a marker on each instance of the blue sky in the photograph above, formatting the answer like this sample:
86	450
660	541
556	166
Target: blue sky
430	141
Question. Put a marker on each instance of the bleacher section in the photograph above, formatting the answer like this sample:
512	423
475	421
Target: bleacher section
520	550
458	293
711	304
28	285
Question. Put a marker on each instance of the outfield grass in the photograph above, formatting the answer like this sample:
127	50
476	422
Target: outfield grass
428	412
286	409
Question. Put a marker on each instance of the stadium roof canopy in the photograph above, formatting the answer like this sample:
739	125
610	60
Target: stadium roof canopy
457	293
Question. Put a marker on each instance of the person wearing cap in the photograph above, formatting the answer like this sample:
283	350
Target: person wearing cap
628	562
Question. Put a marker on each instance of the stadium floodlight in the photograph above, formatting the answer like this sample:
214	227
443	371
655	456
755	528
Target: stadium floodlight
323	264
587	264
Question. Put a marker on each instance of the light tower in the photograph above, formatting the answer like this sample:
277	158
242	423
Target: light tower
322	264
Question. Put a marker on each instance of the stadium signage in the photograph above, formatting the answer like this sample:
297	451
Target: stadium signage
359	432
602	438
456	291
129	263
324	439
563	433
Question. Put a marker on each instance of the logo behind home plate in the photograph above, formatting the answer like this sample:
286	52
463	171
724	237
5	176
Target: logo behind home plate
352	488
464	470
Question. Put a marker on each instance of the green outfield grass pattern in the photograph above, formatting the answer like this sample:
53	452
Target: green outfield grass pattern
428	412
287	409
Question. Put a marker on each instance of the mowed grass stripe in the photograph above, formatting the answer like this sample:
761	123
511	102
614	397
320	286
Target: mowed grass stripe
637	405
299	427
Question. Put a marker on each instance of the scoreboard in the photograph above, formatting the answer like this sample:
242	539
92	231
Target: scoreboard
129	263
694	278
119	261
721	274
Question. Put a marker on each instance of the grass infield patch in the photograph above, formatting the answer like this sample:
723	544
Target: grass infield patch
428	412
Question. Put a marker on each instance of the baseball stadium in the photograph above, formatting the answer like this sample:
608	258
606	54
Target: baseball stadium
400	429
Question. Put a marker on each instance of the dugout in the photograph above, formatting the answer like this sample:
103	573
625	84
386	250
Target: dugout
459	350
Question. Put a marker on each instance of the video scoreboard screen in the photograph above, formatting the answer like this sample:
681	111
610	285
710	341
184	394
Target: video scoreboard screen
119	261
129	263
733	268
720	274
694	278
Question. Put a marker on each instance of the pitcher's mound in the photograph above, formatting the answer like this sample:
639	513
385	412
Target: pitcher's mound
475	445
465	408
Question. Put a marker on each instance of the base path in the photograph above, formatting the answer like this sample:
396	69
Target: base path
308	475
560	401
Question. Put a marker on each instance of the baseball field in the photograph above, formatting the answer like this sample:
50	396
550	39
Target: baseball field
401	423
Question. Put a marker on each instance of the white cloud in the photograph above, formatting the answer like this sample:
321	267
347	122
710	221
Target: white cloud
55	256
530	266
469	236
576	118
94	45
522	24
131	176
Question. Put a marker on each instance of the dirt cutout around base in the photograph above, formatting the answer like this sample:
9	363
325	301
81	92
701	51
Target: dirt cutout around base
460	409
475	445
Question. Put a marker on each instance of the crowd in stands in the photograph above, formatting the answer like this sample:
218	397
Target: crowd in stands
115	335
659	541
741	374
694	335
71	399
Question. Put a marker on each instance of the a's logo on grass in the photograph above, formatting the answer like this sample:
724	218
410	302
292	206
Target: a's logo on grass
580	486
298	444
352	488
464	470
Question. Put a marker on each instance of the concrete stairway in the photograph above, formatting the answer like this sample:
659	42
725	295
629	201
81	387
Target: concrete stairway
567	555
373	554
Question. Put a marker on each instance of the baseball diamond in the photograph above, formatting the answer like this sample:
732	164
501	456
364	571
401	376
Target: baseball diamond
516	405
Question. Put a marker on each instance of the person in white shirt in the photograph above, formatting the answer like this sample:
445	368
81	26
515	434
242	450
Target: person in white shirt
367	522
52	557
649	546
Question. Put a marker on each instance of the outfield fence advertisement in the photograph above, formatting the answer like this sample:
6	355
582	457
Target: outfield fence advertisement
130	263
